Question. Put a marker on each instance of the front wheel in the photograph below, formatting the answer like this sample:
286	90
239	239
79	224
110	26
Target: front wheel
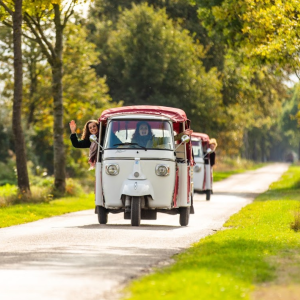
184	215
208	193
136	211
102	215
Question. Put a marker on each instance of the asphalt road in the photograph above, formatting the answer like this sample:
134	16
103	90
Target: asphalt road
73	257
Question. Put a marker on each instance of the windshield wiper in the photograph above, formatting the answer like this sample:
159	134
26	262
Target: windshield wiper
135	144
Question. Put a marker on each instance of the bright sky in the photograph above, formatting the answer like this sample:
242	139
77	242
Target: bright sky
83	7
293	80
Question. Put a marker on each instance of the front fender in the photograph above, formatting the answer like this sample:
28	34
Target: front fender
137	188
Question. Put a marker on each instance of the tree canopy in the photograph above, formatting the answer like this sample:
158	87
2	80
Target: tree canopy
225	62
148	59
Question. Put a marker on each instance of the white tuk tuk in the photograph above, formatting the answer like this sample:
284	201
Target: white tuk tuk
203	176
141	168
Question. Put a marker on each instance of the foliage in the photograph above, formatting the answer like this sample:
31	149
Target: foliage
149	60
85	96
268	30
289	121
104	14
253	89
203	56
232	263
8	172
251	93
5	132
41	191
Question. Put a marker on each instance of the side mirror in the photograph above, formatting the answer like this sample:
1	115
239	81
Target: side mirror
208	150
93	138
185	139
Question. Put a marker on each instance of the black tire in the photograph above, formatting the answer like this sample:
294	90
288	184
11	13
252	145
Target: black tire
136	211
184	215
102	215
208	193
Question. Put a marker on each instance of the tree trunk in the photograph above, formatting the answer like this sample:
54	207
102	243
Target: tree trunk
23	180
246	145
58	128
32	62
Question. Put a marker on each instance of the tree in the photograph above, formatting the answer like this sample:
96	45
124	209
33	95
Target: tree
104	14
252	90
150	60
268	30
85	94
16	14
35	19
290	119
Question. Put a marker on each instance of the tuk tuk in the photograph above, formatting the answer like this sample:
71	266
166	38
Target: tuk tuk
140	176
203	176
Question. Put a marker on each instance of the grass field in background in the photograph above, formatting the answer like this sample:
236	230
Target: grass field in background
24	213
256	254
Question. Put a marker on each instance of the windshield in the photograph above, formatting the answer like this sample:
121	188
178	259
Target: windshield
139	134
197	148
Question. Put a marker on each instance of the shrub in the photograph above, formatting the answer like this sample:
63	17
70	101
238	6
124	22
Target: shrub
10	195
7	173
6	192
73	187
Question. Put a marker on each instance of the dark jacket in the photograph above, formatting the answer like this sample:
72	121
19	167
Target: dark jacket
79	143
212	157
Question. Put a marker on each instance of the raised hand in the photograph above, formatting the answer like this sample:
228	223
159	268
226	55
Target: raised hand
72	126
188	132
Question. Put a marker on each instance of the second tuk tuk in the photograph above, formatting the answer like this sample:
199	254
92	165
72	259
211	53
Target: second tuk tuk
144	164
203	176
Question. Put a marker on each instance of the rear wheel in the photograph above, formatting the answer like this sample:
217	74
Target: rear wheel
208	193
102	215
184	215
136	211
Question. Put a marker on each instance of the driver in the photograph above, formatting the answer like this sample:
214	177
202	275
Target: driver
143	135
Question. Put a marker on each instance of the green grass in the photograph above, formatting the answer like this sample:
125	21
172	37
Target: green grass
24	213
232	263
220	175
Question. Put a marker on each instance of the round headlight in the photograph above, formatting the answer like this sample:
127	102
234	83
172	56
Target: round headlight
197	168
112	169
162	170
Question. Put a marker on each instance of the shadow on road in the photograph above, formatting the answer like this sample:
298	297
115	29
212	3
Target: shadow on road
238	194
127	226
104	260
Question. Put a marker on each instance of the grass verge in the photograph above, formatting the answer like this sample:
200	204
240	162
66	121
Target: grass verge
257	253
29	212
220	175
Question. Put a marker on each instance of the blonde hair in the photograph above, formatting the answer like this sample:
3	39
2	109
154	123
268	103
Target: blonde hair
213	141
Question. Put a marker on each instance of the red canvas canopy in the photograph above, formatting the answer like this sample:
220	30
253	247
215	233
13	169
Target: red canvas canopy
175	114
203	136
